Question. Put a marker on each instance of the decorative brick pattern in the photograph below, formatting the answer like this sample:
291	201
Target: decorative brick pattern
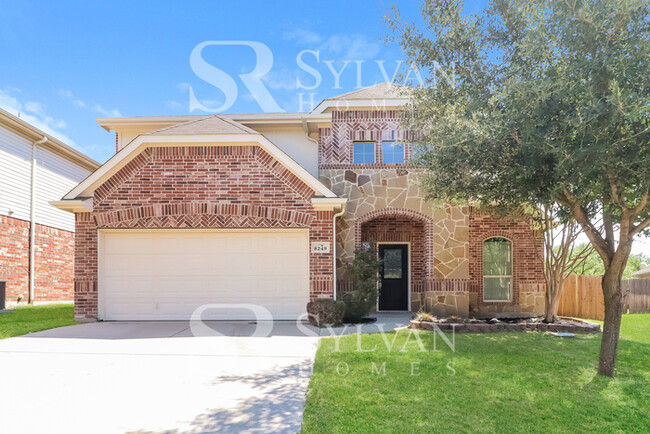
335	148
54	261
200	187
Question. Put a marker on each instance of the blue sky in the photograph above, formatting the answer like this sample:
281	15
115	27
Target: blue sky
62	66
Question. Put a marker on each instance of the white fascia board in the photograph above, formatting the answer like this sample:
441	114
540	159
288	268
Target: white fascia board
75	205
126	154
347	104
329	203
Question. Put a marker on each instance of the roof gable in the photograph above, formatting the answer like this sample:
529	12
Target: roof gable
86	188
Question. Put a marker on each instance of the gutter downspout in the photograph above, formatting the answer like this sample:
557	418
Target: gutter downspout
32	222
339	214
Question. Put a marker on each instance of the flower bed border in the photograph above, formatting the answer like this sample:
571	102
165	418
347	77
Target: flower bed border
579	326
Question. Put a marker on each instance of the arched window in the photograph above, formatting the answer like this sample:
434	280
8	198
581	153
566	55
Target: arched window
497	269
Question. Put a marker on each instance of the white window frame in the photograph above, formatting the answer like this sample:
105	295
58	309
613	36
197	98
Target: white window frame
510	276
374	149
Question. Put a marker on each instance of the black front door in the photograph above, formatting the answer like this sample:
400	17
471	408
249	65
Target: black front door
393	291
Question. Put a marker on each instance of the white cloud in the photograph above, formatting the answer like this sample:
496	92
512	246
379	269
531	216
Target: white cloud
34	114
174	105
97	108
183	86
352	47
281	79
303	36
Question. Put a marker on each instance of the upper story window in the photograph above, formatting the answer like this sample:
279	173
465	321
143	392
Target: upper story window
364	152
497	269
393	152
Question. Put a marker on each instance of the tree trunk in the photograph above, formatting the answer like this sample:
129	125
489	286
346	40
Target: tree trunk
553	295
612	325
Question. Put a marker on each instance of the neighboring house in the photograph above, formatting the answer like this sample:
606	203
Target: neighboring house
244	209
36	239
643	273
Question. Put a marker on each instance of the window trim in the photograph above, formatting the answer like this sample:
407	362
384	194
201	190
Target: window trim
402	145
374	149
510	276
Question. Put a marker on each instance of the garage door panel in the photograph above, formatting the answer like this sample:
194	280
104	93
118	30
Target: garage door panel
157	275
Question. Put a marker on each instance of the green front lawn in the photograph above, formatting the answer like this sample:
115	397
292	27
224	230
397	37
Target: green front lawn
30	319
524	382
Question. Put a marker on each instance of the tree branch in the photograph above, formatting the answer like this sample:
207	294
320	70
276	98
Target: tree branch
600	245
641	226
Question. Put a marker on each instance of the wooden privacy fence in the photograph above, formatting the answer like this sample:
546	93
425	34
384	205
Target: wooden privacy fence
583	297
638	295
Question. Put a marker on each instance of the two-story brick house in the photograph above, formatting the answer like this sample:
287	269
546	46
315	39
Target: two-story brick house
237	211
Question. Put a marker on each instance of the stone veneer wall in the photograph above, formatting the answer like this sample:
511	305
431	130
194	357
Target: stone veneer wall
378	193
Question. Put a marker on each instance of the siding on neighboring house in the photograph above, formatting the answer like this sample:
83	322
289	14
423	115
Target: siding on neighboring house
55	175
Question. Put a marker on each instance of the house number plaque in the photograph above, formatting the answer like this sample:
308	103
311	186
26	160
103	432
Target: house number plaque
318	247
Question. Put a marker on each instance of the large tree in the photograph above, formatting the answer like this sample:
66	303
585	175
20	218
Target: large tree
533	102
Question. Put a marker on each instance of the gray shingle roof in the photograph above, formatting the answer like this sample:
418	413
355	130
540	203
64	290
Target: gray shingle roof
208	125
378	91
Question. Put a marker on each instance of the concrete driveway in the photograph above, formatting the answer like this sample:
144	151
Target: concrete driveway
155	377
162	376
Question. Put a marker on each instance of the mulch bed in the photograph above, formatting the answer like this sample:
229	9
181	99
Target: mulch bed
459	325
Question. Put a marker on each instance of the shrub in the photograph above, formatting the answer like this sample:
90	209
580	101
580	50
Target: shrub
364	274
424	316
325	312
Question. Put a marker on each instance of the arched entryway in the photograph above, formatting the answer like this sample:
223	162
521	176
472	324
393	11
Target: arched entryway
403	238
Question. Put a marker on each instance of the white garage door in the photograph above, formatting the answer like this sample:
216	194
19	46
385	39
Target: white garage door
168	274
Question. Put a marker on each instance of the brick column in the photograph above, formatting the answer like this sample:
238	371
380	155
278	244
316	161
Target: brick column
321	281
85	270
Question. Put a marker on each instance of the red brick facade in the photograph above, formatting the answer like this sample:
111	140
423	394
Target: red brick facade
527	252
54	261
200	187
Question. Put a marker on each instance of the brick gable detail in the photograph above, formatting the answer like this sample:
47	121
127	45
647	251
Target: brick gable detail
201	187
